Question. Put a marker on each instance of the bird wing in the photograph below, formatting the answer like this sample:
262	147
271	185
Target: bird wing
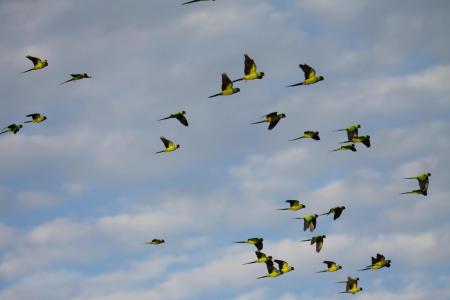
319	244
293	202
250	66
269	265
182	119
166	142
273	123
337	213
423	184
281	264
329	263
366	141
271	115
352	133
309	72
259	254
35	60
259	245
226	82
34	116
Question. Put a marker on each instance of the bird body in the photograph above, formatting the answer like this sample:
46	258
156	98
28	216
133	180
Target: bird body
272	118
352	131
309	222
261	258
378	262
318	240
350	147
337	211
36	118
77	77
271	270
37	63
250	70
170	146
310	76
257	241
424	182
227	87
331	266
360	139
180	116
283	266
294	205
14	128
309	135
155	242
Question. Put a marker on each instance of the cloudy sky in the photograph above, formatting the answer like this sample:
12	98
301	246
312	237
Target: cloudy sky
81	192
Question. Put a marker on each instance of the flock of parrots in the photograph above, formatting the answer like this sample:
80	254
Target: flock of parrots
309	221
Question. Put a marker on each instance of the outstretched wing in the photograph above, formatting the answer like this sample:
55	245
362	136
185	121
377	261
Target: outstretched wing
259	254
226	82
292	202
166	142
309	72
182	119
35	60
34	116
250	66
329	263
273	123
269	265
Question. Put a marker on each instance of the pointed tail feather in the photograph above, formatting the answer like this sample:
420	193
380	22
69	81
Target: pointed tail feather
215	95
340	130
282	208
27	122
252	262
27	70
322	271
345	142
3	132
365	269
259	122
159	152
265	276
297	84
67	81
297	138
241	242
164	119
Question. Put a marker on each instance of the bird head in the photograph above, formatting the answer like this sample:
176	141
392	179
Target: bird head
320	78
339	267
343	207
323	236
260	75
45	62
269	257
20	126
315	216
358	125
85	75
302	205
45	118
360	288
178	146
183	112
282	116
236	90
162	241
428	174
292	268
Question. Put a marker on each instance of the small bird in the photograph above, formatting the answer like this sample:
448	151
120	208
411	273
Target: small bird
350	281
310	76
36	118
309	135
345	147
257	241
170	146
318	240
250	72
272	118
193	1
423	182
37	63
77	77
360	139
227	87
14	128
337	211
378	262
271	270
351	286
331	266
294	205
416	192
155	242
179	116
283	266
309	222
352	131
262	258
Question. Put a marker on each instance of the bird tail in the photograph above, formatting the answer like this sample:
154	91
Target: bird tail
28	122
296	139
405	193
305	240
365	269
322	271
241	242
324	214
259	122
3	132
345	142
159	152
265	276
297	84
410	178
240	79
252	262
215	95
67	81
282	208
340	129
341	281
28	70
164	119
343	292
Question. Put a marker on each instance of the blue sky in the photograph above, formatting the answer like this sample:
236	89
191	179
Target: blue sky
81	192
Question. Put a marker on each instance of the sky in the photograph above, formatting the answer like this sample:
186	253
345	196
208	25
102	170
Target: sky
81	192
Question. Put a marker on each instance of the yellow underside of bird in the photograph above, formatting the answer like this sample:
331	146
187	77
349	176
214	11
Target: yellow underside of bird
171	148
311	80
38	120
251	76
332	269
227	92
